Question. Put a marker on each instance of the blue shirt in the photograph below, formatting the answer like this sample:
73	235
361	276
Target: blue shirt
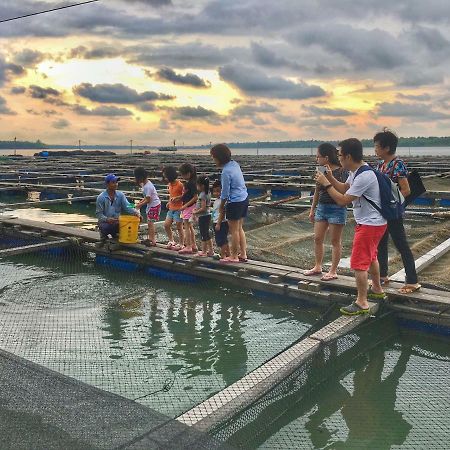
105	209
233	184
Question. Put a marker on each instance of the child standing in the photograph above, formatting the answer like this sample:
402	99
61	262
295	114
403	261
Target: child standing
220	229
203	214
189	199
152	201
175	187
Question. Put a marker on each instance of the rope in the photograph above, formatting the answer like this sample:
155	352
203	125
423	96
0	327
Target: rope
48	10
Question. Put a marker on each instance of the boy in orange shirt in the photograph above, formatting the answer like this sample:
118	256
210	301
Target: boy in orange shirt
175	187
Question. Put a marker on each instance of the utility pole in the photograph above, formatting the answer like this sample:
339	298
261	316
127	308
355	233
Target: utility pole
311	147
79	145
131	146
15	146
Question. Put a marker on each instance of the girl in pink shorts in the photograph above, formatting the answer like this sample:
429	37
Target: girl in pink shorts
189	198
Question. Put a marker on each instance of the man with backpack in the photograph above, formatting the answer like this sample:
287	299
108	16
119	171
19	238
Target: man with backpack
390	164
371	196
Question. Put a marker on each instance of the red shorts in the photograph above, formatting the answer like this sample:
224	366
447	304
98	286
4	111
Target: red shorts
153	213
365	245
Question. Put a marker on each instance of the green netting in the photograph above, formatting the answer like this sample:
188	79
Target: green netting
165	344
371	389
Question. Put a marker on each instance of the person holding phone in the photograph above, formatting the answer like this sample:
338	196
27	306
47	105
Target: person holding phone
326	214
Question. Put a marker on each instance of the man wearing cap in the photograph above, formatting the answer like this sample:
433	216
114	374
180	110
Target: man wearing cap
109	205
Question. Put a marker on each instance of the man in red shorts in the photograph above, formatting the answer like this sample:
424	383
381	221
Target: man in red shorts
370	224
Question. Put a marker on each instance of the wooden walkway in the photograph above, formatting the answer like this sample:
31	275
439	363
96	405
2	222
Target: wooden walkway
426	305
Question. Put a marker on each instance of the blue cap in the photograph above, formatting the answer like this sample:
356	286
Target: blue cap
111	177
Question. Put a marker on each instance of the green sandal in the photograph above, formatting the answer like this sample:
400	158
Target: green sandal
354	310
374	296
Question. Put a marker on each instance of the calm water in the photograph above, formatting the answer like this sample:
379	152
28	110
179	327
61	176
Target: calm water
403	151
395	396
166	344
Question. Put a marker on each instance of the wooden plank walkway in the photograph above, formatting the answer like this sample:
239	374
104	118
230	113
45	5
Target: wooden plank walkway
35	247
275	278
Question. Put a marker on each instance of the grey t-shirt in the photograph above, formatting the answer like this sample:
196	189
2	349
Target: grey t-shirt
203	196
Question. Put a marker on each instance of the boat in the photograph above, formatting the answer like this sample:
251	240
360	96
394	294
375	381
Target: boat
171	148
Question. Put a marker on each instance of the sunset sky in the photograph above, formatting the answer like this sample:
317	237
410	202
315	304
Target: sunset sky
223	70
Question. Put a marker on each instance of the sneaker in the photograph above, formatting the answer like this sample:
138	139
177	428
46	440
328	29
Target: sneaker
354	310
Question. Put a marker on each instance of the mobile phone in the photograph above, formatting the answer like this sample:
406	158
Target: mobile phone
321	169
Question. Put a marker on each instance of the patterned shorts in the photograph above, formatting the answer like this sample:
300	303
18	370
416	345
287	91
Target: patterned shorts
153	213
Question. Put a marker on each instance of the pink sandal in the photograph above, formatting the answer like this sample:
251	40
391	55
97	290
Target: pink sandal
229	260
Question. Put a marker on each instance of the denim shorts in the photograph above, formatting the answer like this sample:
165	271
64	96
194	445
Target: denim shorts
331	213
174	215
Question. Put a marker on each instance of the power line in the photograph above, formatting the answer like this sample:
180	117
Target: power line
48	10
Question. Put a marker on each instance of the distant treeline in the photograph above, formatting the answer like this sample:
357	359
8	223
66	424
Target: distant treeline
403	142
11	145
419	141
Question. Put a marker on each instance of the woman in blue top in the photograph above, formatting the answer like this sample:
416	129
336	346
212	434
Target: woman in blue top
234	195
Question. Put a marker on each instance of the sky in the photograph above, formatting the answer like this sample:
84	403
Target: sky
201	71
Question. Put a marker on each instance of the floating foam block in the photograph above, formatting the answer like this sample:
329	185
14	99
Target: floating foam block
172	276
117	263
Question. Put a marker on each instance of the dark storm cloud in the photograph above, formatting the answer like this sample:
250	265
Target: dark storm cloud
42	93
418	98
106	111
146	107
191	112
267	57
60	124
152	2
116	93
254	82
190	79
28	57
419	111
248	110
8	70
95	52
16	90
192	54
4	109
321	111
364	49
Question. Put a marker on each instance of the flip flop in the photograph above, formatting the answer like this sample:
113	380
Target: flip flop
327	277
229	260
244	260
310	273
409	289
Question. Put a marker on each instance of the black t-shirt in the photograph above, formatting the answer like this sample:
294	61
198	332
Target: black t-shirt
341	175
190	190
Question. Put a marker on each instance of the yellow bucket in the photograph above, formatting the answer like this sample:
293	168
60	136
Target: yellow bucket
128	229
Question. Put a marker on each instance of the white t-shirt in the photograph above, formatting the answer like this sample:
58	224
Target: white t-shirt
366	184
149	190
